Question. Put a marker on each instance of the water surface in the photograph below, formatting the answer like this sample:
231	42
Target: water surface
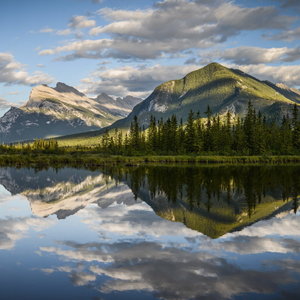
152	232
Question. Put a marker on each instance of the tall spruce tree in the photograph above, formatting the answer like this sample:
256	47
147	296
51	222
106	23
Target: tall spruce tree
190	136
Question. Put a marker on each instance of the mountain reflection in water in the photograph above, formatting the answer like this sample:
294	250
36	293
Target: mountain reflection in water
234	232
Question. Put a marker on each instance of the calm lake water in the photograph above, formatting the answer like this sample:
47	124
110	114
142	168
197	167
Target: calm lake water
152	232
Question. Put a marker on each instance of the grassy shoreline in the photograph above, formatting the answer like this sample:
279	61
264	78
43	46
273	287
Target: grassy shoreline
94	160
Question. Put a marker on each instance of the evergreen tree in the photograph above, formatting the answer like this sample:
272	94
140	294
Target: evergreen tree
134	134
296	128
190	136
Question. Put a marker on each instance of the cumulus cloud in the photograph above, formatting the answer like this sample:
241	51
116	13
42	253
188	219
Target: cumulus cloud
288	35
76	24
81	22
137	81
169	27
289	75
254	55
13	72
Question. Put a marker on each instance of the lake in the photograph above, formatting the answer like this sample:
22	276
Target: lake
150	232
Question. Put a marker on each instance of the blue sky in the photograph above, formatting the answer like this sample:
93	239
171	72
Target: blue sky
129	47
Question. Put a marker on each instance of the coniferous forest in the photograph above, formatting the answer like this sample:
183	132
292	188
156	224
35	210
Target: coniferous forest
251	135
212	135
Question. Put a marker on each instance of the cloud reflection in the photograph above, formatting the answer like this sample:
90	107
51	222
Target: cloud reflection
132	256
14	229
169	272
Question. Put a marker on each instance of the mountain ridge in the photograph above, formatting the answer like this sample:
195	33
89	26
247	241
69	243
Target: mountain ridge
221	88
58	111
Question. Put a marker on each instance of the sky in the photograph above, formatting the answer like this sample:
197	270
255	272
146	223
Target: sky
129	47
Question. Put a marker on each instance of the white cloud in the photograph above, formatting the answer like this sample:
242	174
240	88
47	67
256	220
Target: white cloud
47	30
246	55
81	22
64	32
251	55
137	81
13	72
75	25
288	35
289	75
171	26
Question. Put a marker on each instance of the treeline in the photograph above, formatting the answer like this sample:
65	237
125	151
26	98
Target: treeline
39	145
212	135
251	135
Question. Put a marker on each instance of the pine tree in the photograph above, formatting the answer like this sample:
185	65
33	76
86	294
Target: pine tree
199	133
296	129
152	135
249	128
135	134
190	136
181	138
208	143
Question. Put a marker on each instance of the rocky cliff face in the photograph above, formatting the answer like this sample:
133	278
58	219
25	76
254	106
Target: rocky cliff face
62	110
120	107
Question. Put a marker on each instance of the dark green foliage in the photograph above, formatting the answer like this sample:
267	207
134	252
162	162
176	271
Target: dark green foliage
38	146
212	136
252	135
296	128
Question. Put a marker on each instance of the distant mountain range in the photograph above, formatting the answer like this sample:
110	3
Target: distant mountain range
221	88
63	110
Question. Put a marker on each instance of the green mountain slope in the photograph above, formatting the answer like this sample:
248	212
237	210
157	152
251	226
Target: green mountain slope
221	88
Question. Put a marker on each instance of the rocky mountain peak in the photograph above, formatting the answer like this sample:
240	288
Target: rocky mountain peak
103	98
64	88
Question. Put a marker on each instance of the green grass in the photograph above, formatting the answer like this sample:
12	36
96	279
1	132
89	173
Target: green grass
94	160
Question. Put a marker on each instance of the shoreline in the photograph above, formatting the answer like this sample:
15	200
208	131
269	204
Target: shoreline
94	160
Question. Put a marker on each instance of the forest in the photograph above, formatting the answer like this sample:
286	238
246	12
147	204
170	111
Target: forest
212	135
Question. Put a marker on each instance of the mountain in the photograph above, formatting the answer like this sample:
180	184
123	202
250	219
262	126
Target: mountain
62	110
223	89
290	93
120	107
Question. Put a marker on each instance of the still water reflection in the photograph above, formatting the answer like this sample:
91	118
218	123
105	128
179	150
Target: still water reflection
150	233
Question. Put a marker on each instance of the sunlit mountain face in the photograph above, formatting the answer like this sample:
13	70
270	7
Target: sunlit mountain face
150	233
